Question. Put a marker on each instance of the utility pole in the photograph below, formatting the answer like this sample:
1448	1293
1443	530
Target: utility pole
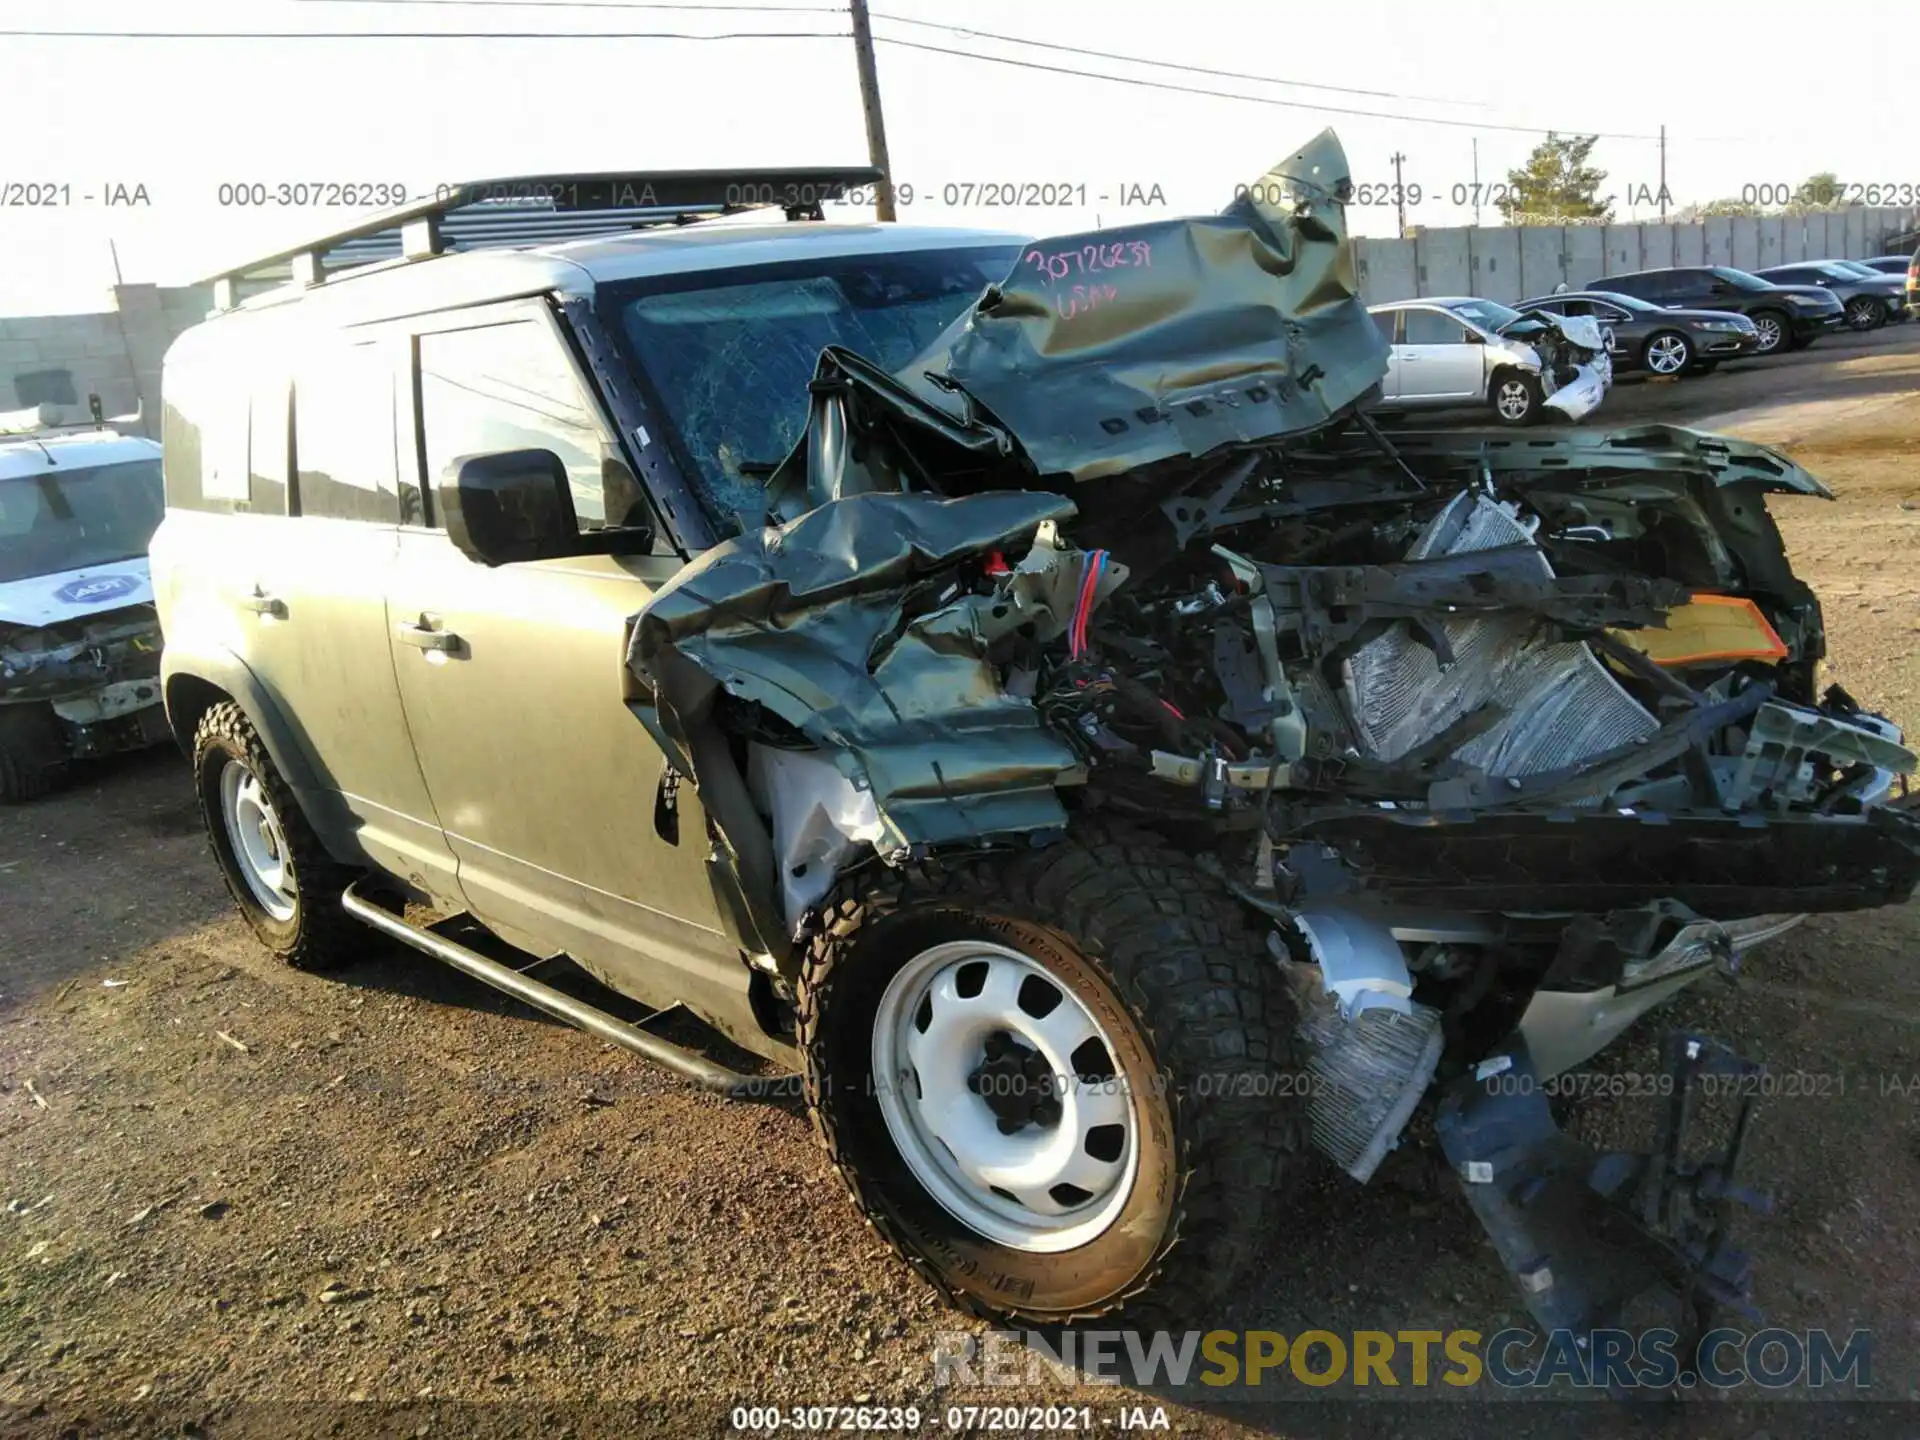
1663	173
1399	193
870	103
1476	180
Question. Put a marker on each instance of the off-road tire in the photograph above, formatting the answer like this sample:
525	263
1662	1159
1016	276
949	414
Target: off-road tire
320	935
1180	969
33	756
1536	397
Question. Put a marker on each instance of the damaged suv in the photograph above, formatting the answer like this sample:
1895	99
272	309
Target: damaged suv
1017	685
79	640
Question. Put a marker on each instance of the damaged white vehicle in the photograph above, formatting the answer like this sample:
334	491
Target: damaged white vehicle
1457	350
79	638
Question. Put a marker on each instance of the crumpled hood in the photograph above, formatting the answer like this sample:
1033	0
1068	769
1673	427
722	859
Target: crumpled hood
1107	351
75	594
1581	330
1112	350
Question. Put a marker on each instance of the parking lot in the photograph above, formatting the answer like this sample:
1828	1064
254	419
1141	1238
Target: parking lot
236	1189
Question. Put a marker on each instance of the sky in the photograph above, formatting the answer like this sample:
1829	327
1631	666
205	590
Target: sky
162	124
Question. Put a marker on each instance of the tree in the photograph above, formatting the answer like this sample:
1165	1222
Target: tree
1820	191
1556	185
1690	214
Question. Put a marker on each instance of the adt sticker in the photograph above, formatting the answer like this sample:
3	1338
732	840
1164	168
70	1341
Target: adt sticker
99	587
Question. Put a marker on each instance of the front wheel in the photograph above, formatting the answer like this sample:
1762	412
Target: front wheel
33	754
287	887
1056	1082
1667	353
1516	397
1776	332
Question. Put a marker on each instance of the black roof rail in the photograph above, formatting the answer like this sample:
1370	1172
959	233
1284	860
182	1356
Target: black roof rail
543	209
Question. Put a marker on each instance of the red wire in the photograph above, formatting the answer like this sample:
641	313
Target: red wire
1077	627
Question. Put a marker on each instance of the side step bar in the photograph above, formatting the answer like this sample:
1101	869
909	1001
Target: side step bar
697	1068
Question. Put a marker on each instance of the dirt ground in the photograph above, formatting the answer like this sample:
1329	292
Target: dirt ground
239	1199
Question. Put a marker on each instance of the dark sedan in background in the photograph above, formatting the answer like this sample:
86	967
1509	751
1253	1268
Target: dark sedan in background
1787	316
1643	336
1870	302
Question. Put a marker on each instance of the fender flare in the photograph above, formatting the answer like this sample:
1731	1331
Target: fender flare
183	674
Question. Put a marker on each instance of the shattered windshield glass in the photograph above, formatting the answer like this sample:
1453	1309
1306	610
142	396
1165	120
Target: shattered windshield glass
731	361
65	519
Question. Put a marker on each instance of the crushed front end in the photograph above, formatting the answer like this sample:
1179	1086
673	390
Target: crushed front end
1510	739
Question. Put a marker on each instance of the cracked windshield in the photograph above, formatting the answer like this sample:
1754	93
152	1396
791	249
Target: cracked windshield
732	361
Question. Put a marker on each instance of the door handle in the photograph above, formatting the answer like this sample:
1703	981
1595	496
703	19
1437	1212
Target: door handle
426	634
261	603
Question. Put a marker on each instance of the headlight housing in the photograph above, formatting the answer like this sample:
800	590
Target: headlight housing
1726	325
1806	302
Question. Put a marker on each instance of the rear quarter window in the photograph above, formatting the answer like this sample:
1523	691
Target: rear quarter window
344	439
223	438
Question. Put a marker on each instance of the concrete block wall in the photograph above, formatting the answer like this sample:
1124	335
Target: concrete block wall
114	354
1509	263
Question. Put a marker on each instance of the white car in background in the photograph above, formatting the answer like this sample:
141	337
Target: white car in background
79	637
1458	350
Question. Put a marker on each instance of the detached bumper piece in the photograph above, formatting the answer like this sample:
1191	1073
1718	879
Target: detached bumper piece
1585	1232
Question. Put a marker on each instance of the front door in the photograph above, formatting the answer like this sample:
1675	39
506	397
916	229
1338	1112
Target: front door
515	684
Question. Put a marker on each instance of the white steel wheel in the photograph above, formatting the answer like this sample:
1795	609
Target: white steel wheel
998	1087
259	843
1668	354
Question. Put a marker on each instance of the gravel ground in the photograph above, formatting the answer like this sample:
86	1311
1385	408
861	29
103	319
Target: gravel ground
242	1200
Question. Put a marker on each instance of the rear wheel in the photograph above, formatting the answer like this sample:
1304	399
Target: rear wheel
33	753
1776	331
287	887
1865	312
1515	397
1056	1082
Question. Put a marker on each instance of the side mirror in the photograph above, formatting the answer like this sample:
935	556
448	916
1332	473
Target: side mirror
509	506
1474	337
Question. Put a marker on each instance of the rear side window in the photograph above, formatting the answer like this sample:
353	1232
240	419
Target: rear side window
1430	327
343	434
1387	322
270	446
216	427
510	387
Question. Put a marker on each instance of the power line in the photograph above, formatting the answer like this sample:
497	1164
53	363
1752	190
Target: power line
595	5
1143	60
1254	99
420	35
922	24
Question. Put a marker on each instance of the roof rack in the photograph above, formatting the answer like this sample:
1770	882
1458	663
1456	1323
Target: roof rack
542	209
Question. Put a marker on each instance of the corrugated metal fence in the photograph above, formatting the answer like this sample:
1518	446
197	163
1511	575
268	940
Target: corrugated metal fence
1509	263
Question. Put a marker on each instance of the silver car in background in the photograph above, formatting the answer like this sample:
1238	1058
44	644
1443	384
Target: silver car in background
1459	350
